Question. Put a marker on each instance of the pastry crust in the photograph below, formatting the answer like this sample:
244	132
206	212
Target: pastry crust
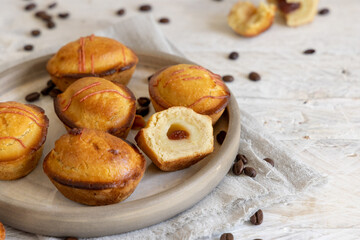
92	56
2	232
93	167
189	86
21	138
97	103
176	154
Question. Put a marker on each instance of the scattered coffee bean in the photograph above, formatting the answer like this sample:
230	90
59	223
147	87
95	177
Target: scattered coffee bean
324	11
145	8
50	24
143	101
242	158
309	51
228	78
52	5
63	15
257	218
53	93
32	97
47	90
120	12
30	6
227	236
50	83
233	55
143	111
220	137
254	76
28	47
249	171
238	168
270	161
164	20
149	77
35	32
40	14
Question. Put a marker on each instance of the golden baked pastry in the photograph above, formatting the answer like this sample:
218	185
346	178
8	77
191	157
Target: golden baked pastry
92	56
97	103
93	167
23	132
2	232
189	86
176	138
248	20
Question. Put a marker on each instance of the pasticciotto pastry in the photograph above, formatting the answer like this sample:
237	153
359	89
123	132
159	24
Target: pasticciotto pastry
97	103
93	167
92	56
23	131
176	138
190	86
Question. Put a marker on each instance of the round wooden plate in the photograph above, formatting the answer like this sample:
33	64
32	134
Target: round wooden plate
34	205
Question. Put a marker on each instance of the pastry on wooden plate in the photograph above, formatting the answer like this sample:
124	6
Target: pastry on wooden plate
23	131
97	103
189	86
2	232
92	56
176	138
93	167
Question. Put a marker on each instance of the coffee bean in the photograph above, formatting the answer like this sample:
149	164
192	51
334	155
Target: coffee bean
254	76
35	32
143	101
120	12
32	97
164	20
63	15
143	111
309	51
220	137
228	78
227	236
53	93
270	161
242	158
249	171
238	168
50	83
257	218
52	5
47	90
30	6
28	47
40	14
233	55
50	24
324	11
145	8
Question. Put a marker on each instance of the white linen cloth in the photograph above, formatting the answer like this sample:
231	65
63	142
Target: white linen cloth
236	198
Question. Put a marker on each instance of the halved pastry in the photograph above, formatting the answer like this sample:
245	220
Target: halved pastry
97	103
92	56
93	167
22	135
190	86
176	138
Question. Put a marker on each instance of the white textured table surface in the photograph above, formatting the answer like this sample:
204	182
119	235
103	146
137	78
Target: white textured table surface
309	102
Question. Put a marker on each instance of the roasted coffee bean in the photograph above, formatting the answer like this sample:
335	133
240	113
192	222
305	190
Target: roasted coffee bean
40	14
145	8
120	12
238	168
164	20
30	6
53	93
143	101
309	51
220	137
32	97
47	90
50	24
242	158
75	131
35	32
143	111
257	218
254	76
270	161
233	55
228	78
63	15
50	83
324	11
249	171
28	47
52	5
227	236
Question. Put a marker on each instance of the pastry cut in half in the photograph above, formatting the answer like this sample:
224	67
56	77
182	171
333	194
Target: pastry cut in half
23	131
97	103
93	167
92	56
189	86
176	138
